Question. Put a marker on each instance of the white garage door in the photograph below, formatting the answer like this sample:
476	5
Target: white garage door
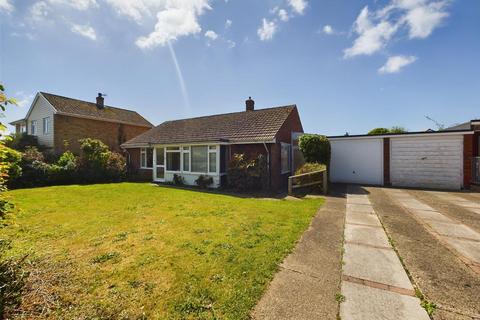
357	161
427	162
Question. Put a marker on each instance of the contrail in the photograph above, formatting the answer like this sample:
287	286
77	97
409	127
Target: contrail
180	77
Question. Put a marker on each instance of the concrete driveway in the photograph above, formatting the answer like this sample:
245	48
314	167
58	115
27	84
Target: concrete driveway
405	254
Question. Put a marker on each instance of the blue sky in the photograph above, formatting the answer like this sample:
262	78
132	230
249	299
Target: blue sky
349	65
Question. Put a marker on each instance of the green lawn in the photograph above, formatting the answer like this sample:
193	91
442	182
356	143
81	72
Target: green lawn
133	250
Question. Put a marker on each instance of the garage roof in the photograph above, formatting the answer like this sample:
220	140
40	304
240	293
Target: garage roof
403	134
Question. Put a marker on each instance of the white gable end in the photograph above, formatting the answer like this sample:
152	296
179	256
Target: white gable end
40	119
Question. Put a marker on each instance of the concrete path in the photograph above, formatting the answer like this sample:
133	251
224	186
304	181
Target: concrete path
462	240
309	278
473	206
374	283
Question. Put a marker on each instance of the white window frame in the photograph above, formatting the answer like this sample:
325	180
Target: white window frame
178	150
186	150
289	151
46	125
214	150
143	151
33	127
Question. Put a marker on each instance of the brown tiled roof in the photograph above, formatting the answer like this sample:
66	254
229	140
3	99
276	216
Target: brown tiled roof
247	126
74	107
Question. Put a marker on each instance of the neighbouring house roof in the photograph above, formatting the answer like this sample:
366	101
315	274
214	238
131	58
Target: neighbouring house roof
461	126
260	125
79	108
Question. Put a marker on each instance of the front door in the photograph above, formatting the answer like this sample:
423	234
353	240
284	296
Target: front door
159	164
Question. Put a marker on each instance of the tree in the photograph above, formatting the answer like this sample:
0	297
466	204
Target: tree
378	131
398	129
394	129
315	148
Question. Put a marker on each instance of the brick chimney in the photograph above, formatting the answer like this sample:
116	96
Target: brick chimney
250	104
100	100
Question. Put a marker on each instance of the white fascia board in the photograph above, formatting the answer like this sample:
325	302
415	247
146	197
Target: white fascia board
437	134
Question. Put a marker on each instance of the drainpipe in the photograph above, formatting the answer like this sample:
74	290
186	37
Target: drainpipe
268	164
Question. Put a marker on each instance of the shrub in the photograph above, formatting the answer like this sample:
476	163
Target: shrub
310	167
204	181
116	167
98	164
315	148
178	180
10	161
12	281
20	141
247	175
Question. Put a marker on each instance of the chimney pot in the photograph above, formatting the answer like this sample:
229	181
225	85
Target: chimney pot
250	104
100	100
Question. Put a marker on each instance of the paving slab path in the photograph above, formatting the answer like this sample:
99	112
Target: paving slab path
309	278
471	205
441	276
374	282
464	241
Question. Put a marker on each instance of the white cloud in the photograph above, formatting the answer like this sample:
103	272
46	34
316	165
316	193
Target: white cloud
267	30
423	19
76	4
371	37
298	6
85	31
6	6
375	29
396	63
212	35
283	15
24	100
228	23
179	18
39	11
328	29
231	44
138	9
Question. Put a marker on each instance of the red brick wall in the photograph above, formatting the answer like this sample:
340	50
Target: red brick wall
71	129
468	145
386	161
292	124
133	161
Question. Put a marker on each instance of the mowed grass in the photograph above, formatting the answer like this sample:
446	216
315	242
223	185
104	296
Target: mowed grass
135	250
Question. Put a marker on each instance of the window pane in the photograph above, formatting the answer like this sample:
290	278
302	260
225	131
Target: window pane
143	159
160	172
186	161
199	159
173	148
212	147
173	161
160	157
285	157
212	157
149	152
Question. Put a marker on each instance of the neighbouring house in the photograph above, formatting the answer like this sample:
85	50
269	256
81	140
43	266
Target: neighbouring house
59	122
446	159
205	145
